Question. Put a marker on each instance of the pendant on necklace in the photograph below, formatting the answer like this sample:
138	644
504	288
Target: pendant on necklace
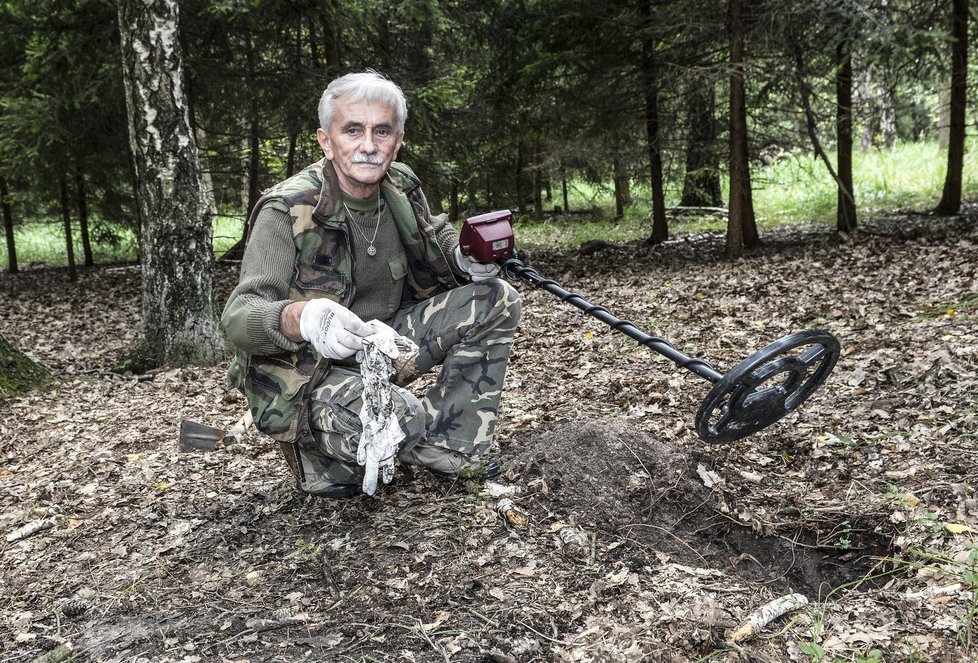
371	251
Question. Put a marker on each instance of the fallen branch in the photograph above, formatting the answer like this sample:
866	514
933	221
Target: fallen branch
766	614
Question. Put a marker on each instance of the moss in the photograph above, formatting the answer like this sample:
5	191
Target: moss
18	372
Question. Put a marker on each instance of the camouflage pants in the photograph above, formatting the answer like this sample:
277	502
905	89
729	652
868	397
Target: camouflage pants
469	331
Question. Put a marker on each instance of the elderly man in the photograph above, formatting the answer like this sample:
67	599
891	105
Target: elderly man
347	240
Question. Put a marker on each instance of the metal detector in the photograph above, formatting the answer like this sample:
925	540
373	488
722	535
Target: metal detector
757	392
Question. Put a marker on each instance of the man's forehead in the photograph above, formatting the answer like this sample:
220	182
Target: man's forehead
363	111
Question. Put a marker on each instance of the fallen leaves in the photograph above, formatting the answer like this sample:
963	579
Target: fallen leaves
618	535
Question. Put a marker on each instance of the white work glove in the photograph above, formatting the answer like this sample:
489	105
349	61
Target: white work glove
334	330
479	271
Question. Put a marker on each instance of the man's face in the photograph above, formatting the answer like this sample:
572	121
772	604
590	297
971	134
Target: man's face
361	142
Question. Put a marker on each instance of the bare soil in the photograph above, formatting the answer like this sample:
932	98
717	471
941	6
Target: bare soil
641	542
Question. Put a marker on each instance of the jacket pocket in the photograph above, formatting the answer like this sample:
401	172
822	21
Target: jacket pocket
274	389
399	269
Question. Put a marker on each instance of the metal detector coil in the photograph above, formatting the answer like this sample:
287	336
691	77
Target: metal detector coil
756	393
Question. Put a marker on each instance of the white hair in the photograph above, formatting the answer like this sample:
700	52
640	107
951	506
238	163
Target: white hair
365	86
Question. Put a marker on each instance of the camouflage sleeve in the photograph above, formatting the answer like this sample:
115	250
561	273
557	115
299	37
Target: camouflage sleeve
252	314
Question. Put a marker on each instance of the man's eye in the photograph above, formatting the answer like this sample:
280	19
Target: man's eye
383	133
353	131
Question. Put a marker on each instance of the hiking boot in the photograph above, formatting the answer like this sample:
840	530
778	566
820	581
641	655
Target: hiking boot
335	491
448	464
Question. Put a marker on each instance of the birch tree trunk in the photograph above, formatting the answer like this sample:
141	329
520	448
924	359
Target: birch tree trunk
179	323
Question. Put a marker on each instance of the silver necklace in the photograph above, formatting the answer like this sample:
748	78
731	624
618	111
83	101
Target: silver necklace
371	249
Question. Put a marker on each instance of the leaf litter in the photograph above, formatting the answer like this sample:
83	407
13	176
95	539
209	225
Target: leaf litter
615	534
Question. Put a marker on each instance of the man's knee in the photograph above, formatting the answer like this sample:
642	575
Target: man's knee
502	301
411	415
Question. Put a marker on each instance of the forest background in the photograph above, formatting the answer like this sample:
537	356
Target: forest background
512	104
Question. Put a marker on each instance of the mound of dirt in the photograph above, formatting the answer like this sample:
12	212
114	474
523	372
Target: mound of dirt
610	476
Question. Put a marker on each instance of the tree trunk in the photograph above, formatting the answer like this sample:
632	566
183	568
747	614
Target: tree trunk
845	217
520	197
650	88
843	182
81	200
18	372
563	188
944	111
864	101
66	221
8	227
254	136
537	182
619	195
741	225
207	181
453	198
951	197
888	129
701	184
179	326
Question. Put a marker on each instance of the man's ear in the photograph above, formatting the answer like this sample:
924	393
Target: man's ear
324	143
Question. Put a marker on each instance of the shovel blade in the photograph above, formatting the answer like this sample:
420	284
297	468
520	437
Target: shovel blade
198	437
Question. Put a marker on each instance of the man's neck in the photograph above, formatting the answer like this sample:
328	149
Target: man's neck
359	191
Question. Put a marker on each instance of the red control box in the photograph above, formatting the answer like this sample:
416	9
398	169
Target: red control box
488	237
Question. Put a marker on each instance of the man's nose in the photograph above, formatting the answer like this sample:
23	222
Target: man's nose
368	141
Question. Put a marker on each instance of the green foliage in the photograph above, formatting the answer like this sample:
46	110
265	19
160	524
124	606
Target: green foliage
502	95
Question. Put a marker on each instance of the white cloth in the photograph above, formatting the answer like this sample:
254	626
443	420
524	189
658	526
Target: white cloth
381	432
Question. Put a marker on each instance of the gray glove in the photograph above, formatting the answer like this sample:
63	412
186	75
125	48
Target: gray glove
479	271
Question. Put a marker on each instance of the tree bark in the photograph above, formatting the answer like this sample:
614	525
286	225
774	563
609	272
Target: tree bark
520	197
18	372
619	193
8	227
701	183
537	182
944	111
81	201
563	188
864	100
650	79
951	197
741	224
845	217
66	222
254	136
179	326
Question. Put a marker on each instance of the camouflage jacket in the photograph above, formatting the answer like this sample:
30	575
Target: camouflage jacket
277	385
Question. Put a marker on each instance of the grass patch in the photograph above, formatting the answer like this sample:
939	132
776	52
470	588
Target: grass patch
796	189
41	244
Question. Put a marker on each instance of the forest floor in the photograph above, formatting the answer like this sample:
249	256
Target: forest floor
643	543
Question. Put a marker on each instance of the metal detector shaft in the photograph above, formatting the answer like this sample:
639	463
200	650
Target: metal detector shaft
656	343
757	392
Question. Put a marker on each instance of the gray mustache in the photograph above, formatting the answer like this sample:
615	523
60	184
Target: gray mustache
372	159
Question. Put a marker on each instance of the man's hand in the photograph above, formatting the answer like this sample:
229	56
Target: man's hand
479	271
333	329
